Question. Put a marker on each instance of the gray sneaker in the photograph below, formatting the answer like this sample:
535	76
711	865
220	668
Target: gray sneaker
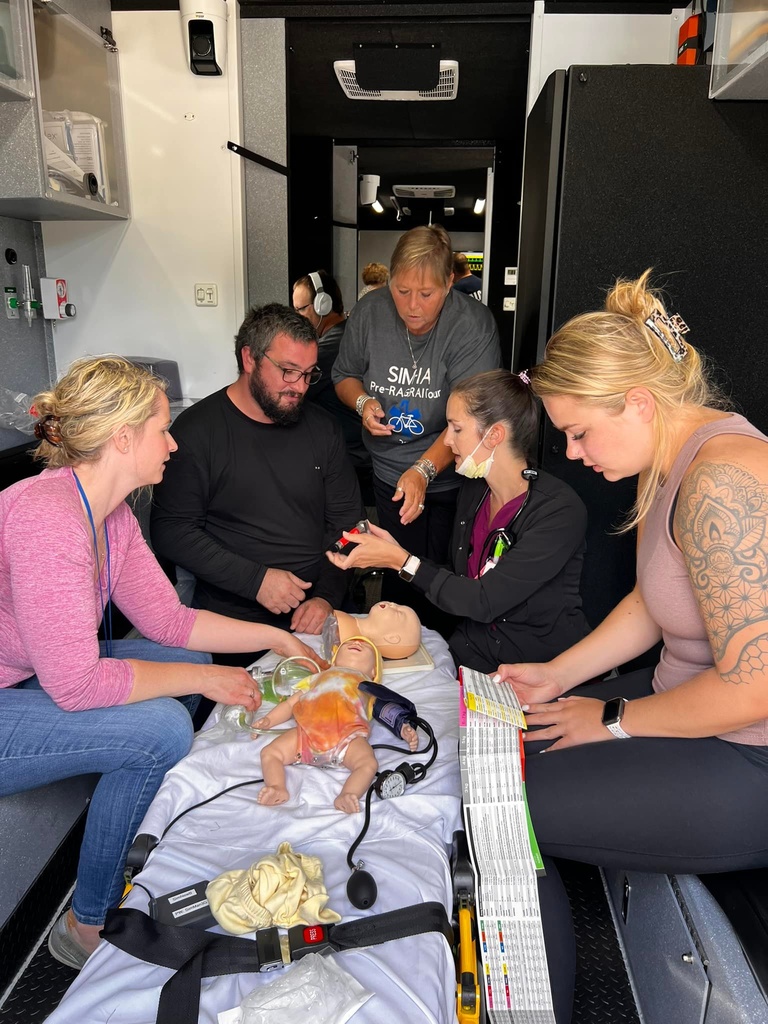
64	947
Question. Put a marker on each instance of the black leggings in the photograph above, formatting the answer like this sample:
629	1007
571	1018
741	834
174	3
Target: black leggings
676	806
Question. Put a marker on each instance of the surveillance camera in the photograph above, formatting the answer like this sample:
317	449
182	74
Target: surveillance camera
369	184
204	30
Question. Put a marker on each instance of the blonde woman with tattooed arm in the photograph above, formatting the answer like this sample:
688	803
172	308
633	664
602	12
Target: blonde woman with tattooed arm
666	769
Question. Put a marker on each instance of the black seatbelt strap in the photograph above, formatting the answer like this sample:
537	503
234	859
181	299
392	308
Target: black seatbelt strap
195	955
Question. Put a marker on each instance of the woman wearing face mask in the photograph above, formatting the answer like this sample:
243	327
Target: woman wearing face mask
518	538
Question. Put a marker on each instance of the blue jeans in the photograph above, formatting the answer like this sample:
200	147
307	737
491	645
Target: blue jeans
131	745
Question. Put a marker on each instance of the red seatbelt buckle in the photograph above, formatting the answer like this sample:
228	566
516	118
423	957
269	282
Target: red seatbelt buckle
308	938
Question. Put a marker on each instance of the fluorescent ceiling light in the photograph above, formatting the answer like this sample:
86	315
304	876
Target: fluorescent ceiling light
377	207
479	205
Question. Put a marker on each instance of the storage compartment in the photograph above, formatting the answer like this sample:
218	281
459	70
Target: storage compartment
63	144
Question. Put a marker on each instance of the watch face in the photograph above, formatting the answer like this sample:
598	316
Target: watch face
612	711
390	785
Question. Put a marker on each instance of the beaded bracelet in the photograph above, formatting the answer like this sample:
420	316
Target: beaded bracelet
360	402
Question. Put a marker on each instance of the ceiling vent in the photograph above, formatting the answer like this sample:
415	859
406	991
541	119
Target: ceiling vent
446	89
424	191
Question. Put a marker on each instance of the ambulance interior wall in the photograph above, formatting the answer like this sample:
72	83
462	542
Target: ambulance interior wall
192	199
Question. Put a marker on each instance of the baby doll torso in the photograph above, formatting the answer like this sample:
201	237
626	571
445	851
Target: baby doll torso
331	714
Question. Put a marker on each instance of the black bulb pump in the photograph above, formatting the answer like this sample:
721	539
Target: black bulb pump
361	889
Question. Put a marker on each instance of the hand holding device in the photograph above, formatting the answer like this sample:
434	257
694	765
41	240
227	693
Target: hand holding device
342	545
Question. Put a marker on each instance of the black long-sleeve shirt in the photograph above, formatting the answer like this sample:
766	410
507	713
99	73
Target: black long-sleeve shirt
240	497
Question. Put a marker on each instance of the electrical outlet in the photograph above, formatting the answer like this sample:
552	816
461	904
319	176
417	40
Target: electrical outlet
206	295
510	275
510	303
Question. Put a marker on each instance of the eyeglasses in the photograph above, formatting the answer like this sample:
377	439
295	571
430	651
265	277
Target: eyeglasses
291	376
300	309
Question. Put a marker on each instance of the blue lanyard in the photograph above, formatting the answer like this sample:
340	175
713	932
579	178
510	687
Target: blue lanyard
107	620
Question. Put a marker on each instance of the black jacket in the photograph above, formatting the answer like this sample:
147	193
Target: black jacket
528	607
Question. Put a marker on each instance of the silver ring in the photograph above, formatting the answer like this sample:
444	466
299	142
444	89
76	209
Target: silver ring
399	489
421	506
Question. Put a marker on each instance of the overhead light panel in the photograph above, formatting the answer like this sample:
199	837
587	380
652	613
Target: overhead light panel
479	206
377	207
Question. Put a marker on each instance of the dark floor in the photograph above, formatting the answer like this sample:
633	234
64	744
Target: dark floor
603	995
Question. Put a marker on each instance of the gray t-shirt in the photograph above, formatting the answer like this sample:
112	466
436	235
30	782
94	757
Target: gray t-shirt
375	351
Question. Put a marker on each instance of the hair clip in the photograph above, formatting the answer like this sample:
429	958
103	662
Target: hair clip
49	429
672	337
523	375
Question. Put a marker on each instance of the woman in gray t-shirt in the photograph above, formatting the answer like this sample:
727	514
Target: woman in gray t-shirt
404	349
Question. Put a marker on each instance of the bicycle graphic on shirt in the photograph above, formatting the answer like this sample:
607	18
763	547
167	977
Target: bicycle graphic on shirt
403	421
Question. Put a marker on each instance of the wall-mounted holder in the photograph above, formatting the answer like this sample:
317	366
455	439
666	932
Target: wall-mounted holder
56	305
28	303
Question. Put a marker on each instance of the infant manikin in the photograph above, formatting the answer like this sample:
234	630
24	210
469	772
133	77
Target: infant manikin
394	629
332	726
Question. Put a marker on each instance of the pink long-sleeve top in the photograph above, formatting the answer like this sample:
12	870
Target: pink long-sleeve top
50	609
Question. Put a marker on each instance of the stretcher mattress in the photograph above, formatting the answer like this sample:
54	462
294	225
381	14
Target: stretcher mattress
406	850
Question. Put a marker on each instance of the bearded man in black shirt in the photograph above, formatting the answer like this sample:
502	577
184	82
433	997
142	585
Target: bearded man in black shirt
261	484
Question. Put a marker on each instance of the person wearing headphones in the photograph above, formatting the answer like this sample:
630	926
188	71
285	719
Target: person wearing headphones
317	297
518	538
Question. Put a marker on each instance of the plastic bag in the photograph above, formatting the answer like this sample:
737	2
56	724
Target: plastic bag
14	411
315	990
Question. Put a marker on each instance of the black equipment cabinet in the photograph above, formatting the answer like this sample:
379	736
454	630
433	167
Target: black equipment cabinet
630	167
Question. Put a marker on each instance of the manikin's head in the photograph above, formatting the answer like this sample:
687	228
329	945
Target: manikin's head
360	654
394	628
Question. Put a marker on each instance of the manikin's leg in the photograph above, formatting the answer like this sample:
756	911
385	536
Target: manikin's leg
362	764
274	757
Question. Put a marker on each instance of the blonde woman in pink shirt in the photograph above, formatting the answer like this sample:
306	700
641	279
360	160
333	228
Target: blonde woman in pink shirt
69	544
667	769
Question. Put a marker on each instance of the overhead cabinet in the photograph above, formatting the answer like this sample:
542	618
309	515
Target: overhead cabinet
62	153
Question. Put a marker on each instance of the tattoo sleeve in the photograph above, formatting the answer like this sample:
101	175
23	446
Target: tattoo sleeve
722	522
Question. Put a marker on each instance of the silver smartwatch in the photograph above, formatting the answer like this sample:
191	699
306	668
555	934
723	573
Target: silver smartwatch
613	712
410	568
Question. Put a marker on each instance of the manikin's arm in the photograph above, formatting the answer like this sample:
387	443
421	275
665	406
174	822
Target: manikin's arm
408	733
278	715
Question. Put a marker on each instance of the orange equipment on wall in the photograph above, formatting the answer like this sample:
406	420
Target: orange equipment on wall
690	40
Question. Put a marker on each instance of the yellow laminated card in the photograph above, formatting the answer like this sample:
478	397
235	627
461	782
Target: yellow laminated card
498	700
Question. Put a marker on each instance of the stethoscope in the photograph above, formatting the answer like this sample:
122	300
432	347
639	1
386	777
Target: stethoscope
362	890
501	540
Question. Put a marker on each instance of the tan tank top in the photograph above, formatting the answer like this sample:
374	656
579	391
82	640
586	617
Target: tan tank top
664	583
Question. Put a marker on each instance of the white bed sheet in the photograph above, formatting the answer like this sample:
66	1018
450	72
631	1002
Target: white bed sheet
406	849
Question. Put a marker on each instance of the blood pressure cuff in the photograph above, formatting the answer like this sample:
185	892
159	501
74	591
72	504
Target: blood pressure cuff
389	707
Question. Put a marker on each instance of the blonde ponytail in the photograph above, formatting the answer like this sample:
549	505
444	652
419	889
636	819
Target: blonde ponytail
94	398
